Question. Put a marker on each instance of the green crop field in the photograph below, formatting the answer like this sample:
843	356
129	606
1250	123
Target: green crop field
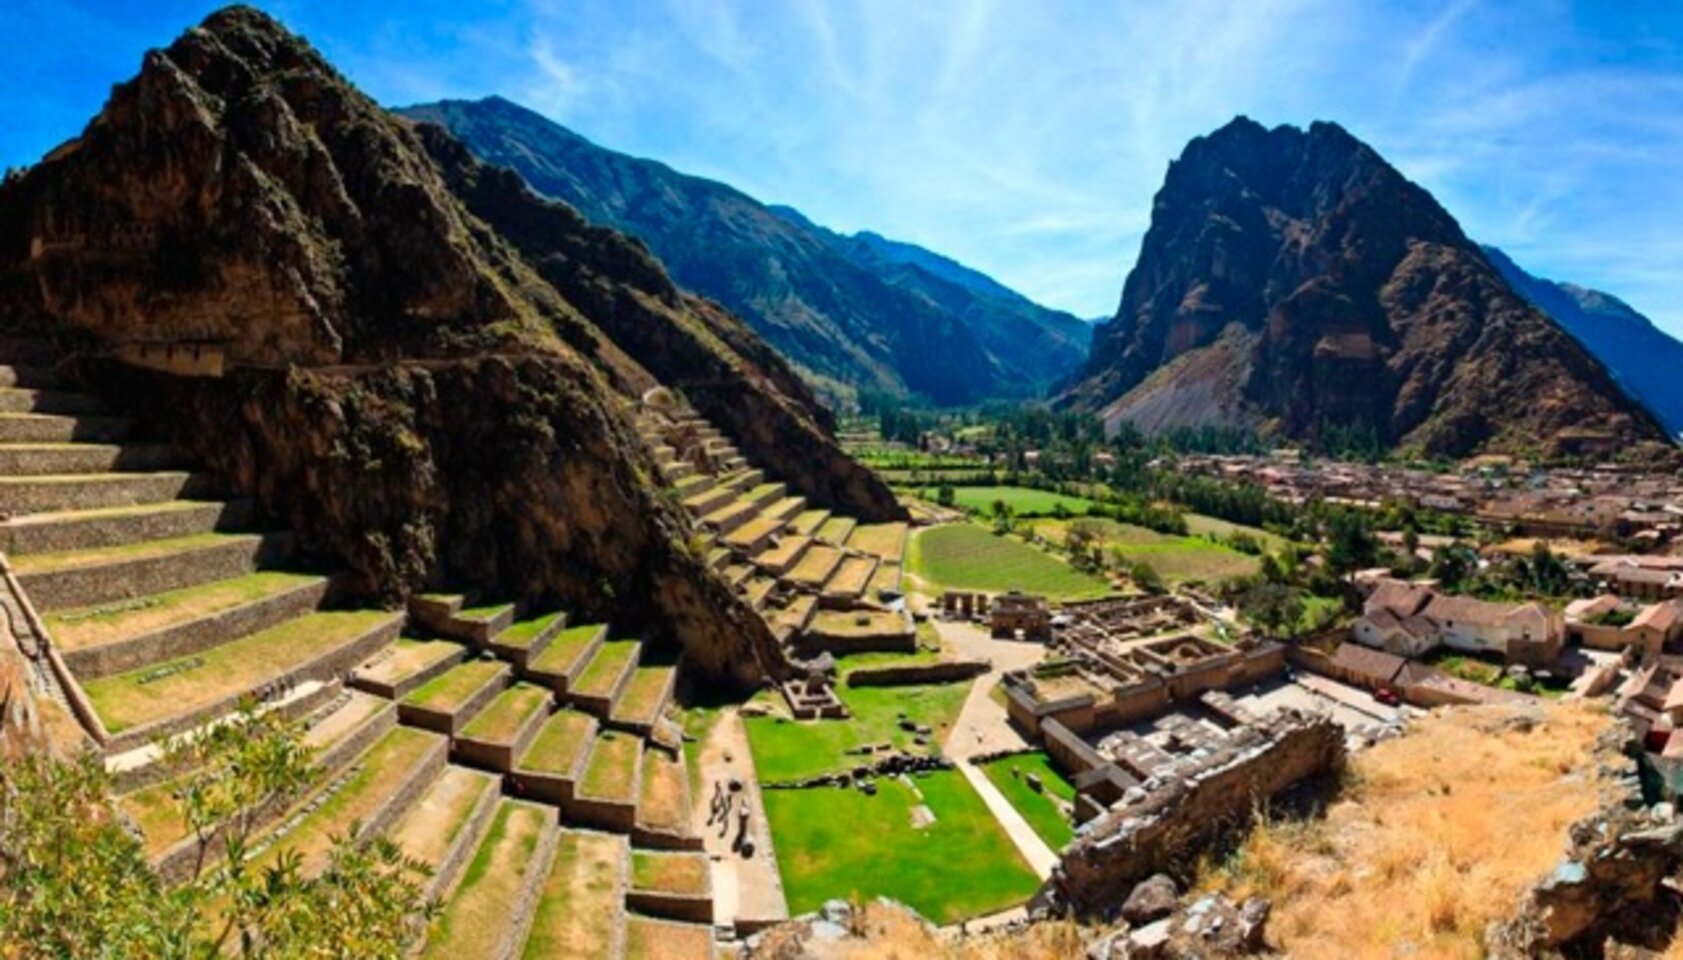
1200	525
967	557
839	842
1177	559
1024	501
1036	806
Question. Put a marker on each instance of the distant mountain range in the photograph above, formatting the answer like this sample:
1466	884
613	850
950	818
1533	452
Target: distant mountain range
851	312
1294	282
1645	360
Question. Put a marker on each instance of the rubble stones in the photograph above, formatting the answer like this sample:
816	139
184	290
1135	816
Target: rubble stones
1152	900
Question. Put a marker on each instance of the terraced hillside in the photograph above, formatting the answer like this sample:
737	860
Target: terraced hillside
789	561
528	761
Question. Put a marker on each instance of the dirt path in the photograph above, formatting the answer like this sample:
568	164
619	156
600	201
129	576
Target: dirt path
982	725
744	888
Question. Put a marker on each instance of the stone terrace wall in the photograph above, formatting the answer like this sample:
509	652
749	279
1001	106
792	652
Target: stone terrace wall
1159	830
906	676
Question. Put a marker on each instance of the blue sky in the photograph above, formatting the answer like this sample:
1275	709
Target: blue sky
1024	138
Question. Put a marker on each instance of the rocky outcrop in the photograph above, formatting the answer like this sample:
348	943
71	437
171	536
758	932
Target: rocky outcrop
1342	297
845	310
729	375
449	417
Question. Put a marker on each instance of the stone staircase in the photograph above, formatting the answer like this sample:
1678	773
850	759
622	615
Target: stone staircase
790	563
510	753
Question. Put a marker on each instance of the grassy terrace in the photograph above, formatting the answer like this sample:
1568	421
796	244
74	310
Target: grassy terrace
142	550
521	634
477	915
816	564
682	873
887	577
794	750
885	540
432	825
94	626
376	775
611	772
840	842
1037	807
787	548
644	695
1024	501
661	801
560	741
505	715
158	814
612	657
580	905
731	512
966	557
649	939
409	657
796	611
564	651
852	576
752	531
483	612
181	686
808	522
454	687
836	529
1178	559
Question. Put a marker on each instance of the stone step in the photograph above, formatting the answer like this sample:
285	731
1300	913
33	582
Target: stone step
566	656
33	400
692	484
807	523
48	428
647	938
490	910
744	479
754	536
550	767
27	375
735	463
677	470
405	665
448	701
643	698
581	912
605	797
674	884
718	558
446	824
37	459
737	574
91	491
836	530
786	509
80	578
166	698
504	728
598	687
665	810
758	589
92	529
100	641
478	624
365	800
766	494
709	500
851	577
795	618
731	516
525	640
782	556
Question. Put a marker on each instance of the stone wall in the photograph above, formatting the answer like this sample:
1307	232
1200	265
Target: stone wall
912	675
1165	824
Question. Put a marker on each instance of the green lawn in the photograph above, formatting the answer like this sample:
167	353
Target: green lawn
1199	525
967	557
1036	807
795	750
1177	559
1025	501
839	842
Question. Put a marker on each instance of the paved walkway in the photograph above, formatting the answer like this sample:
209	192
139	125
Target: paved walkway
751	888
1041	859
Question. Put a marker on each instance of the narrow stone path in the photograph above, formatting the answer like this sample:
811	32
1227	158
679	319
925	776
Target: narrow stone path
1041	859
749	889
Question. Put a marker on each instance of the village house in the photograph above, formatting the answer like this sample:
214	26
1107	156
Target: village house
1607	622
1410	620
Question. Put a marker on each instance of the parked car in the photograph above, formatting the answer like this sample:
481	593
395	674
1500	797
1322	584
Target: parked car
1388	697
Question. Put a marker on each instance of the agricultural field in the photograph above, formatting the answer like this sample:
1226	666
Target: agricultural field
1038	807
967	557
839	842
1201	526
1024	501
1177	559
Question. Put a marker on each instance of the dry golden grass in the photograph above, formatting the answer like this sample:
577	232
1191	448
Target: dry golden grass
1439	834
891	933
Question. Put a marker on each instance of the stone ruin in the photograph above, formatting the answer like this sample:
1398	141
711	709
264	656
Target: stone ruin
1018	614
811	693
964	605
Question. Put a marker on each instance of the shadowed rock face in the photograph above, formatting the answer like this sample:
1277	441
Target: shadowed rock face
1354	299
453	417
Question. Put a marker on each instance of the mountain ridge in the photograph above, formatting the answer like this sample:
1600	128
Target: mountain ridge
1301	284
843	317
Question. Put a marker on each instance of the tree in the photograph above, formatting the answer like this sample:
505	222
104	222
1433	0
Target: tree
1276	609
1085	540
74	882
1351	546
1002	514
1452	565
1146	577
945	496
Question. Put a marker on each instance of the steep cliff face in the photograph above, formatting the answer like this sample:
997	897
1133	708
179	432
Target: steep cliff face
1338	294
1643	358
843	313
452	418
